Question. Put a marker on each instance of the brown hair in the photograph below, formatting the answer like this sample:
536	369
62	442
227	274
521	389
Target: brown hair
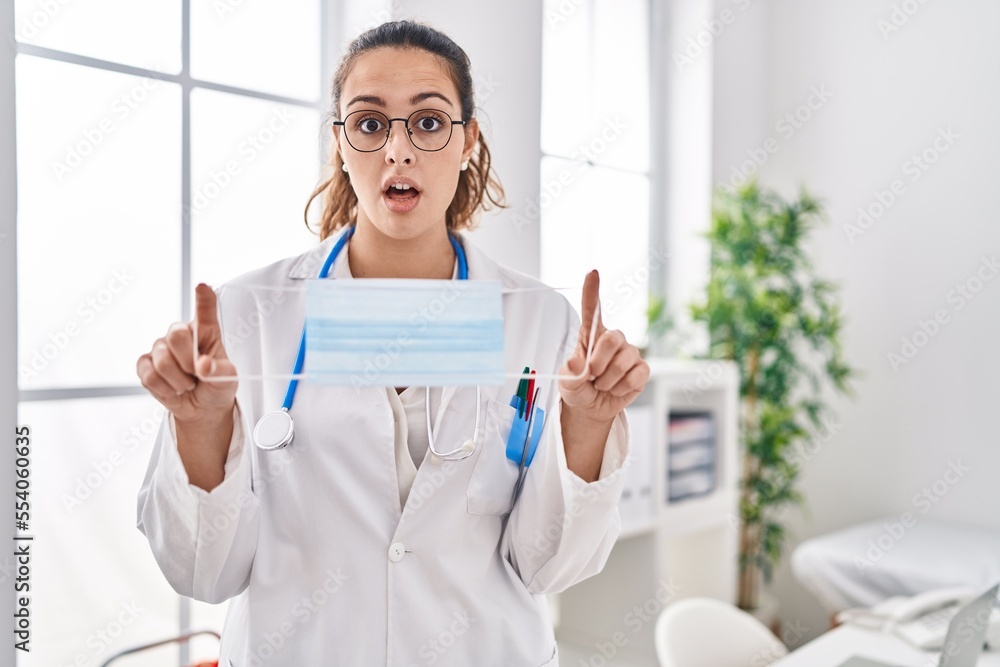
476	185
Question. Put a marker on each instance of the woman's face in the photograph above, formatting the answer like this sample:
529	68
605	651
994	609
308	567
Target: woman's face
397	82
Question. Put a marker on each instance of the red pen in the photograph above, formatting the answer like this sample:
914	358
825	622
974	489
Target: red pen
531	392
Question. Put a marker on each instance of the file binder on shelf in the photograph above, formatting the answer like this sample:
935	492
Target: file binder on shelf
636	506
691	454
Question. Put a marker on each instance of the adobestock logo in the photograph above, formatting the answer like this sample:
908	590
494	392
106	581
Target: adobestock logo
711	30
900	16
960	295
124	106
87	311
924	500
787	126
915	167
33	23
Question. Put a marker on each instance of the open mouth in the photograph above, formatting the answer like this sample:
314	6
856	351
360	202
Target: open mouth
401	194
401	199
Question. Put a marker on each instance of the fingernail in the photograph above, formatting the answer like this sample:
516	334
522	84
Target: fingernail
191	388
214	366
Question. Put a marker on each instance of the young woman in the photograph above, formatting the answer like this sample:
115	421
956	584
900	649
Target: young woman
376	537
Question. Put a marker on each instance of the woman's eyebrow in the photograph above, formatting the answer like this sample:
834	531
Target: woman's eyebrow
419	97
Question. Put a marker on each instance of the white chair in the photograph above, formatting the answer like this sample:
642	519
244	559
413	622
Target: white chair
702	632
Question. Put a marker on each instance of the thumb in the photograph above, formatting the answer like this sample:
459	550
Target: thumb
211	392
207	366
573	370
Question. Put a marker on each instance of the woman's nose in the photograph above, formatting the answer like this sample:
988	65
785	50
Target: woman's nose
399	148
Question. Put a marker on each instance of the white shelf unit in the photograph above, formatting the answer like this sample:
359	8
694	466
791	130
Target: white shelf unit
686	548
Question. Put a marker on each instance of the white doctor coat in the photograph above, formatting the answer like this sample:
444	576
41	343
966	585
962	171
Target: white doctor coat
325	566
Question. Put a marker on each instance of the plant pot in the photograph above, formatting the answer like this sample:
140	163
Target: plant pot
767	612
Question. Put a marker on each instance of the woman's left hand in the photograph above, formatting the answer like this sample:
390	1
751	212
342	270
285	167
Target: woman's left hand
616	375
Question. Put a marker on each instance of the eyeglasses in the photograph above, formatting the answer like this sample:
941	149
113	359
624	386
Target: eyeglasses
368	131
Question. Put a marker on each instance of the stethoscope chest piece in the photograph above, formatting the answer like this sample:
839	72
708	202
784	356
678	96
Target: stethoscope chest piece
274	430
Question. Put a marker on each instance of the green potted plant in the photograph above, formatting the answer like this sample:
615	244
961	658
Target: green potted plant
659	324
766	309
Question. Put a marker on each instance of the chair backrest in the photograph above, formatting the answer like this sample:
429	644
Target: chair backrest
702	632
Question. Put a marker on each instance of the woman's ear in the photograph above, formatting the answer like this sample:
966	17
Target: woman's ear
471	137
336	142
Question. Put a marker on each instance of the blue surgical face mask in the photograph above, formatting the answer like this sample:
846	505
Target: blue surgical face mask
388	332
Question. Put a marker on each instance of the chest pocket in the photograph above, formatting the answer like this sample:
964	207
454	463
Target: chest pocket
492	483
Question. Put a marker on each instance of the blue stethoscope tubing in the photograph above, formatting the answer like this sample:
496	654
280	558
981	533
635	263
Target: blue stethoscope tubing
276	429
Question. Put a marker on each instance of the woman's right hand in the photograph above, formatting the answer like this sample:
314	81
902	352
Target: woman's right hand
169	371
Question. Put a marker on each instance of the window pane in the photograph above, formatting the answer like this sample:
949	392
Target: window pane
599	220
621	70
567	81
595	82
267	46
98	221
143	34
254	164
96	588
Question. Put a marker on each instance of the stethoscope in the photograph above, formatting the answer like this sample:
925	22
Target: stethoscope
276	429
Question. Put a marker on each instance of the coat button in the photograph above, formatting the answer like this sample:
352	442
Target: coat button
396	552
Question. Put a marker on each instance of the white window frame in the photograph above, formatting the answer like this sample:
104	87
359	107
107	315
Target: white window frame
331	40
659	60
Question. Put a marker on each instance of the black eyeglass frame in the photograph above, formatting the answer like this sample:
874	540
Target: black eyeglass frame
406	124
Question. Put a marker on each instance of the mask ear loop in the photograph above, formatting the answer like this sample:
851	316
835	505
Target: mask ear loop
585	373
194	349
234	378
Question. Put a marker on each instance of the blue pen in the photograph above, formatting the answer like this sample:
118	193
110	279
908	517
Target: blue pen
522	467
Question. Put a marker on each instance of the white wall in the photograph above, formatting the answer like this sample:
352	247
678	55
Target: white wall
504	43
890	96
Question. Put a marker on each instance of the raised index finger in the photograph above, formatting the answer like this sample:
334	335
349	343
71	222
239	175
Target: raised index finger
206	318
589	308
